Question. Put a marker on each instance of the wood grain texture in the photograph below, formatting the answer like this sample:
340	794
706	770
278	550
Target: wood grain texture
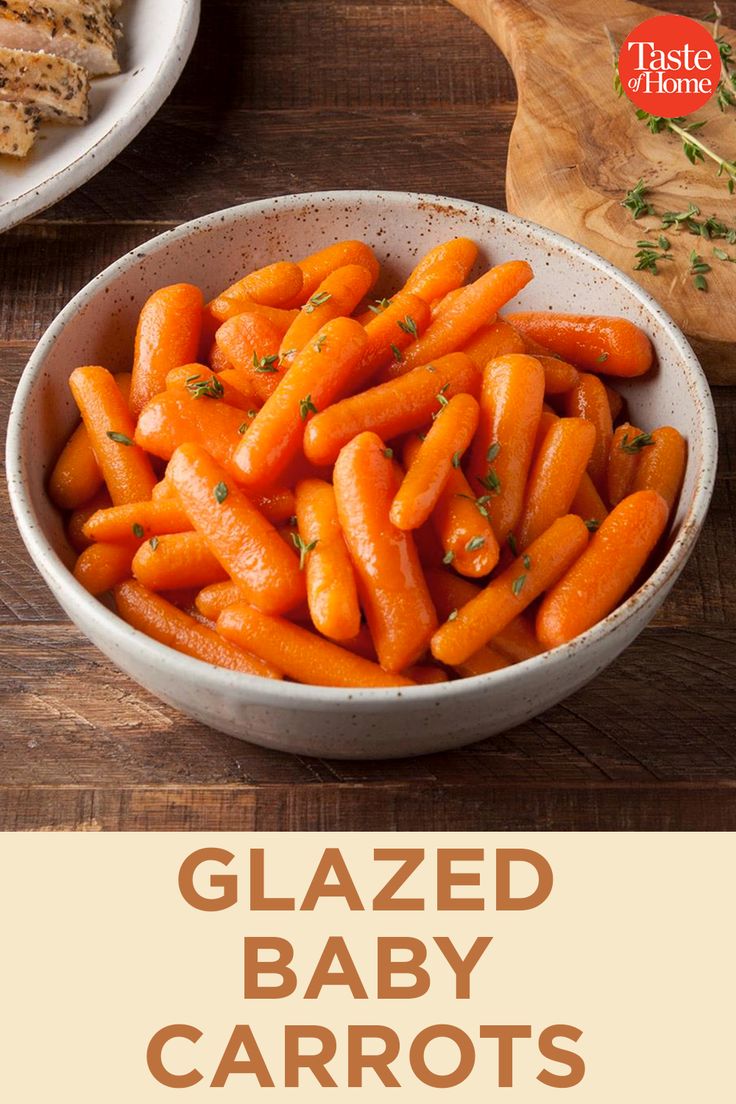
410	95
576	148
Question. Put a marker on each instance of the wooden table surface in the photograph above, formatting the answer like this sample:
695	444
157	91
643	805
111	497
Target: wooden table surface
287	96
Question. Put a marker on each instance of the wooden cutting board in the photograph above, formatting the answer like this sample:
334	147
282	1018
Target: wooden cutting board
576	148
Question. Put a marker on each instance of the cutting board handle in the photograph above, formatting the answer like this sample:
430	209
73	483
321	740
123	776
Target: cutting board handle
510	23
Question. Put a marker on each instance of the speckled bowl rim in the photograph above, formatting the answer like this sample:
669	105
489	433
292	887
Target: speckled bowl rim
295	695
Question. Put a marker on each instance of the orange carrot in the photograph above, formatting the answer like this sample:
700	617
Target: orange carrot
318	266
559	376
662	465
439	305
237	534
331	587
300	654
460	522
555	476
216	597
510	408
125	467
588	400
318	375
615	402
138	519
175	561
78	520
217	360
221	310
200	382
492	341
426	675
389	331
168	335
443	269
450	593
588	504
173	418
595	585
441	450
614	346
394	595
475	307
102	566
251	344
153	615
273	286
392	408
76	476
546	560
627	444
337	295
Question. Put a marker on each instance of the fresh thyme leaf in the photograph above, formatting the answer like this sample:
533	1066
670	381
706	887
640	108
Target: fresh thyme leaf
408	325
518	585
398	355
491	482
649	255
319	343
448	557
637	443
456	460
210	388
293	521
306	407
317	300
493	452
721	254
526	560
635	202
442	400
380	306
221	492
266	363
602	358
138	530
153	543
119	438
511	541
388	453
452	615
592	524
303	548
242	428
700	282
479	503
474	544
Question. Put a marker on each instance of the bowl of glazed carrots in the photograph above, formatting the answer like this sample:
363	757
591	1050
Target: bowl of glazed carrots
361	474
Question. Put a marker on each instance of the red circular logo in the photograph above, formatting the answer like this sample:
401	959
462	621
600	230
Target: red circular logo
669	65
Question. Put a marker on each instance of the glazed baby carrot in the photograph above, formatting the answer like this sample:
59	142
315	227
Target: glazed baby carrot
559	376
251	345
588	504
138	519
627	444
614	346
555	476
545	561
476	306
510	408
175	561
79	518
595	585
76	475
216	597
275	285
200	382
337	295
443	269
426	675
460	525
588	400
102	566
662	465
153	615
318	266
450	434
247	546
175	417
219	311
394	595
319	374
168	334
450	593
440	305
493	340
125	467
389	409
389	331
331	586
300	654
217	360
615	402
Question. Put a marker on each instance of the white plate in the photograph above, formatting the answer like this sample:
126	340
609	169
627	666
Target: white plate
158	38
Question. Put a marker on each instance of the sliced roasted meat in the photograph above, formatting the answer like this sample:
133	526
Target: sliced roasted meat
18	128
84	31
59	88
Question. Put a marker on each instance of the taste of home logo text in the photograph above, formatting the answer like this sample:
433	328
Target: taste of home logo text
669	66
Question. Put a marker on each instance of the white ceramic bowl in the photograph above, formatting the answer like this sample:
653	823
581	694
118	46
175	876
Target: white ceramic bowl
98	326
